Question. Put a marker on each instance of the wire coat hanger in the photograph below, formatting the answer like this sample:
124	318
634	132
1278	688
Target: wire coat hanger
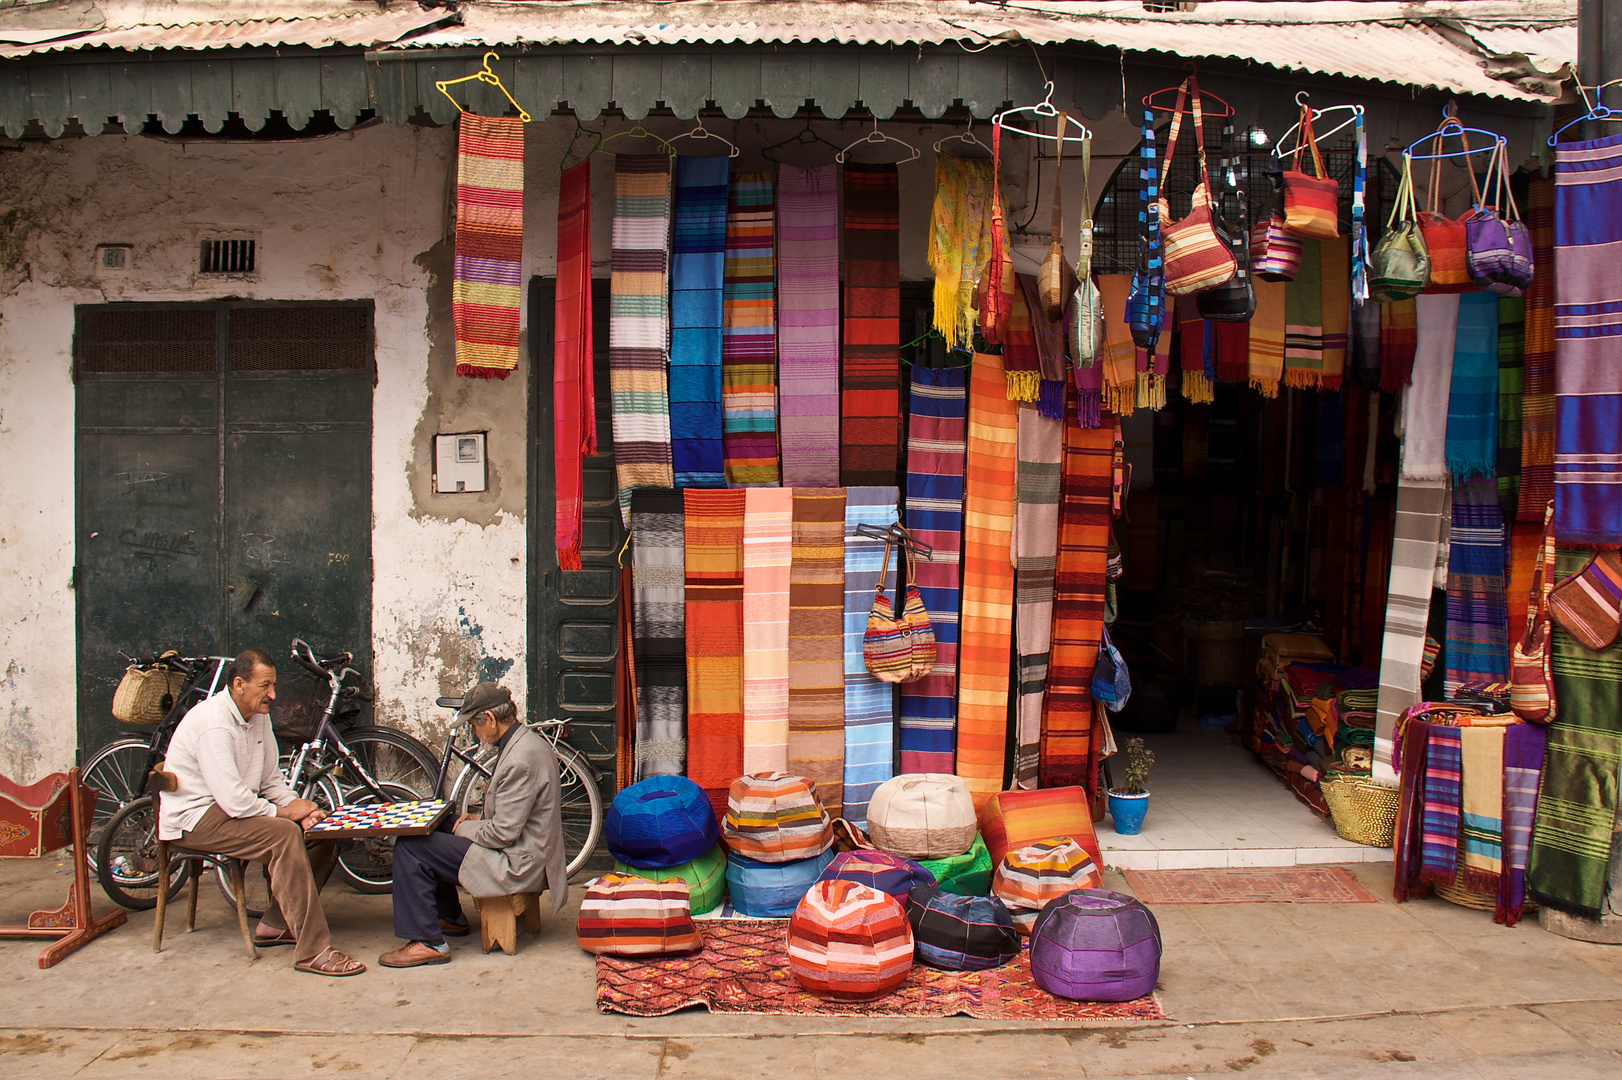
1205	96
702	132
1295	129
580	130
638	132
488	77
967	135
877	136
1043	108
799	138
1448	128
1597	109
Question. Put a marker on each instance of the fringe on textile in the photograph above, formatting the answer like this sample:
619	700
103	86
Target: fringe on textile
1151	391
1050	399
1302	378
1023	385
1197	388
1090	408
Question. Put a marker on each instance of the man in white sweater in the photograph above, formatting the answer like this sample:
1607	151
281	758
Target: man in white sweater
230	799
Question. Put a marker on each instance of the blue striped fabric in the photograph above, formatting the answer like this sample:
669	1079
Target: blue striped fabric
1360	229
935	462
1472	403
698	241
869	704
1149	220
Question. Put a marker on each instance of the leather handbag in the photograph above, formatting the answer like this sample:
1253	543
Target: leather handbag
1234	301
1445	237
1588	604
1400	266
1531	681
1196	257
1499	251
1311	203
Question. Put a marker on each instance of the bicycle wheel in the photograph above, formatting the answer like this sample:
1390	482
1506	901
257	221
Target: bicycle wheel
127	864
392	757
578	797
118	770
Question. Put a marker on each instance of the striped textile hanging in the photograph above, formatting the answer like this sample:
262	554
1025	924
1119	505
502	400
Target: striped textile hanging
987	620
1266	367
767	539
1399	336
487	281
870	380
1511	360
1335	289
714	558
936	432
749	335
1477	633
1040	447
1472	402
1537	395
639	324
1068	754
574	398
1304	320
816	630
869	704
1050	338
698	241
808	324
1418	528
659	627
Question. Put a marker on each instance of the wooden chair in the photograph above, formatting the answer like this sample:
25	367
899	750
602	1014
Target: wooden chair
156	784
46	817
498	919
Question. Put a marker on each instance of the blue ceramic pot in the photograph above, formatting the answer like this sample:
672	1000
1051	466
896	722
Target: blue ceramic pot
1128	811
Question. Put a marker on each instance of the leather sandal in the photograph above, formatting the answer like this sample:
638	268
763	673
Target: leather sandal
284	938
331	962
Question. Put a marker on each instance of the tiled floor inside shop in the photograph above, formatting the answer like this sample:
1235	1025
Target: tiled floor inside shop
1213	804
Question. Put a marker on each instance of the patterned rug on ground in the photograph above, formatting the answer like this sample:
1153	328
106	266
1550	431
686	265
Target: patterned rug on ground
743	968
1261	885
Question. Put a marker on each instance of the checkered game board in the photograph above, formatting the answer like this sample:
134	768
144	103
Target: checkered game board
400	819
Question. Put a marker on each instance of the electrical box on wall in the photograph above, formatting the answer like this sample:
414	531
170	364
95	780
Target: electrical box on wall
460	463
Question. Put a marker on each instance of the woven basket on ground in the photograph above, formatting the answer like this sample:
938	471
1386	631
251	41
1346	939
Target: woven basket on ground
1456	893
1364	812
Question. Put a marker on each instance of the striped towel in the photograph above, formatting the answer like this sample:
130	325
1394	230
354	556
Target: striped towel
869	704
1537	395
1267	337
1440	821
1304	320
808	323
639	324
658	609
1413	568
987	621
714	559
1524	746
870	394
1482	805
1424	403
816	628
487	282
1472	403
1511	370
767	539
1039	447
935	449
749	335
698	241
1477	629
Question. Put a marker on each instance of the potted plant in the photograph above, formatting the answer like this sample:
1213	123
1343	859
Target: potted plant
1130	801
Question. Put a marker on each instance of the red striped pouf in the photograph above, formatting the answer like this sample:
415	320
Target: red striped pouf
848	942
1036	873
624	915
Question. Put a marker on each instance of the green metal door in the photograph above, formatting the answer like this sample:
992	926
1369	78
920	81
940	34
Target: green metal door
223	483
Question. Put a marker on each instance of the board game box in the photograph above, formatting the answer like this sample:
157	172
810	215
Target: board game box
418	818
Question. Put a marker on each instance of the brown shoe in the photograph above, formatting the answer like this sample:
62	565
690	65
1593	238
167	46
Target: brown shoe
415	954
455	929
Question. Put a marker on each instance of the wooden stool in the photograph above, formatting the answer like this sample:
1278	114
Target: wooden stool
498	919
158	782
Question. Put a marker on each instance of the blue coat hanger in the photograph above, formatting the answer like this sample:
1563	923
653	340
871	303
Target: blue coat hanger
1597	109
1450	127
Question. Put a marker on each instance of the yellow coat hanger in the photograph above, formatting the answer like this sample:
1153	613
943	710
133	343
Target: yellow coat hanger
485	75
638	132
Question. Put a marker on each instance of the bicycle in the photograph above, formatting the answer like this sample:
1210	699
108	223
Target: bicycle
579	797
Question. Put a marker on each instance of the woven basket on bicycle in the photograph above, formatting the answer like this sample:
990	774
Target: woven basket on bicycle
1364	812
146	694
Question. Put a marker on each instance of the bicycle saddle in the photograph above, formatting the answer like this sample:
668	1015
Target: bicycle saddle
449	703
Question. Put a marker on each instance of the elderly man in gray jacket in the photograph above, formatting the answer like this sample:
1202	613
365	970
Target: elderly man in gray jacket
514	846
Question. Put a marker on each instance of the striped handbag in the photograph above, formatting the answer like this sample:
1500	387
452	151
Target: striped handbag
1588	604
916	616
1445	237
1311	203
1531	683
887	642
1196	257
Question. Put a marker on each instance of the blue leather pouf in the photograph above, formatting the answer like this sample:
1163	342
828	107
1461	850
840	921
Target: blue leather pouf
772	890
662	821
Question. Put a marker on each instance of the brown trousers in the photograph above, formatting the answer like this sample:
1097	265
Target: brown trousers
297	871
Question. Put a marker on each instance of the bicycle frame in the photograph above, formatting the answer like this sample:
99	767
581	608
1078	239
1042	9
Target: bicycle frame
327	738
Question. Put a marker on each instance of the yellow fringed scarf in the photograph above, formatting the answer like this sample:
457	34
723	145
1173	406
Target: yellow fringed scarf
959	242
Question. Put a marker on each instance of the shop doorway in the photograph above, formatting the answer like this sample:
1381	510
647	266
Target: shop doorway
223	483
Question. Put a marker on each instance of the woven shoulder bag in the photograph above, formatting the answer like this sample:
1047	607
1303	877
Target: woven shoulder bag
1531	682
1311	203
1400	266
1499	251
1444	236
887	642
1196	257
916	616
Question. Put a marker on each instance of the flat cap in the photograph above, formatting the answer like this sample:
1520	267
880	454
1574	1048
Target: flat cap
482	698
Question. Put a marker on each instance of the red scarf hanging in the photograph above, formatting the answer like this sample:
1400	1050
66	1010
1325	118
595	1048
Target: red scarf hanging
574	406
997	287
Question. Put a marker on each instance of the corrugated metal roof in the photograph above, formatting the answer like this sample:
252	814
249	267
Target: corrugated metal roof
1550	50
364	29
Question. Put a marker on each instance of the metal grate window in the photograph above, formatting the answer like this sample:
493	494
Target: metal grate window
306	337
227	257
136	339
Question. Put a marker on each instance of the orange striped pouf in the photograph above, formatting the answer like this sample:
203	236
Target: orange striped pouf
849	942
774	817
1032	875
623	915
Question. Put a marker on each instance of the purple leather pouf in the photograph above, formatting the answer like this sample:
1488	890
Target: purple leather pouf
1095	945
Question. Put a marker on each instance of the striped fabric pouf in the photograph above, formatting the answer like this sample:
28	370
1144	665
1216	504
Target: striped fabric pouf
714	560
1013	819
808	323
749	334
762	890
889	874
487	281
847	942
961	933
774	817
705	877
1030	876
869	703
816	630
624	915
935	447
639	324
988	580
767	540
